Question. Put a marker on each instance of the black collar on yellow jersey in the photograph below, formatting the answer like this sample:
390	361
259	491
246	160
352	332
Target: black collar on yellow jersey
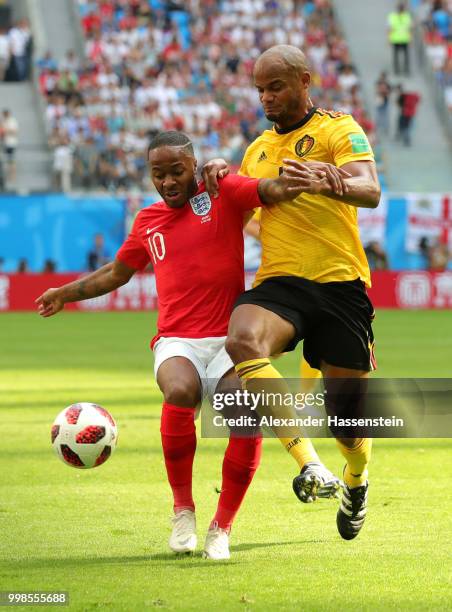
297	125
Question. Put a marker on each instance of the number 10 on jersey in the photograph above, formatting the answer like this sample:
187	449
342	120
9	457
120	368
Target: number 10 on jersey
157	246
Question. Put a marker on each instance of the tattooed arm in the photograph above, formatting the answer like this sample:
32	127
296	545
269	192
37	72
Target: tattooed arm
106	279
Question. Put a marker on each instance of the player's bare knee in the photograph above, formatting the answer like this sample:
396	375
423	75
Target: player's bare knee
179	393
243	344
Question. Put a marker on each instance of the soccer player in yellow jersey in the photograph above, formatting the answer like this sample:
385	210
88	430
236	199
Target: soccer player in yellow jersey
316	480
311	284
308	376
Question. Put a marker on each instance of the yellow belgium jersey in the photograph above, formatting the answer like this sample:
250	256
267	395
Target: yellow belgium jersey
314	236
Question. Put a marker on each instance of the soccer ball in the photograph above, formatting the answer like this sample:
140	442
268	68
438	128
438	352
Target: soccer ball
84	435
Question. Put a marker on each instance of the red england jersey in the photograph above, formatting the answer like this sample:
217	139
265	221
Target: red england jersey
197	255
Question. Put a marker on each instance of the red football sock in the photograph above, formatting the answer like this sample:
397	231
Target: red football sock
241	460
178	432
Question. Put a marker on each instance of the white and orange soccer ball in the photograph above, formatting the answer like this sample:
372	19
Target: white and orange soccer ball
84	435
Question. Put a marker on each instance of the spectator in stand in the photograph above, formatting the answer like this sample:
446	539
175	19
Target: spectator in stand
98	256
437	254
9	136
441	18
22	266
382	96
47	63
85	163
408	103
348	79
49	267
400	35
376	256
21	48
63	164
5	52
436	51
71	62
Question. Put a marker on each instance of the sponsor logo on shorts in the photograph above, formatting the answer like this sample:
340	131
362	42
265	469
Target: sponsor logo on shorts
201	204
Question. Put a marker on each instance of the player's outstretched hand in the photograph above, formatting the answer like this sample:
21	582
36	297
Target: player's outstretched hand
336	176
50	302
212	171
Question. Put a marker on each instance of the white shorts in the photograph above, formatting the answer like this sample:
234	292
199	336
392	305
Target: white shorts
208	355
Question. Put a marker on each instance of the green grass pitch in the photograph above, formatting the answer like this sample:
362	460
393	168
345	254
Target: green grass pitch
102	534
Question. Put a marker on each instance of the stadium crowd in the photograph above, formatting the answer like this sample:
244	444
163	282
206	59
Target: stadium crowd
155	65
435	19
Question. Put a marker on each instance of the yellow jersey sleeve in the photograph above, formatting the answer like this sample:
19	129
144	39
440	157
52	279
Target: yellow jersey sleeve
347	142
244	170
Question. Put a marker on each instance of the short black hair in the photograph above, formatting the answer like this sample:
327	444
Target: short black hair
172	138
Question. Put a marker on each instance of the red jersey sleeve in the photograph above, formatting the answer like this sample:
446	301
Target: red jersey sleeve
133	252
240	191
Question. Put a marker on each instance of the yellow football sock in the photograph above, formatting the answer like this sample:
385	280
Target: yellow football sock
299	447
308	376
301	450
357	458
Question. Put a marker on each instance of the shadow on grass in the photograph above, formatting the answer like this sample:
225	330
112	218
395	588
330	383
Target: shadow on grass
164	559
252	545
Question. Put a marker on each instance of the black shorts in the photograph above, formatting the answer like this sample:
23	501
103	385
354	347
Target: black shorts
333	319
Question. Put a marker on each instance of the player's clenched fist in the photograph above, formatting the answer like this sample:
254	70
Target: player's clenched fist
50	302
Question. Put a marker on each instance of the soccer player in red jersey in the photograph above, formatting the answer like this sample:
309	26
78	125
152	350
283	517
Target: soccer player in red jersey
195	244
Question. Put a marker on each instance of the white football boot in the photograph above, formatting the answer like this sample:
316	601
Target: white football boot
183	537
216	546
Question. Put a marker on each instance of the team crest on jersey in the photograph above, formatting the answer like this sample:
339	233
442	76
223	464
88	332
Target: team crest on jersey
201	204
304	145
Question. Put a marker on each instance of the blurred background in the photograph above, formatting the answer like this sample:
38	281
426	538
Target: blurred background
85	84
